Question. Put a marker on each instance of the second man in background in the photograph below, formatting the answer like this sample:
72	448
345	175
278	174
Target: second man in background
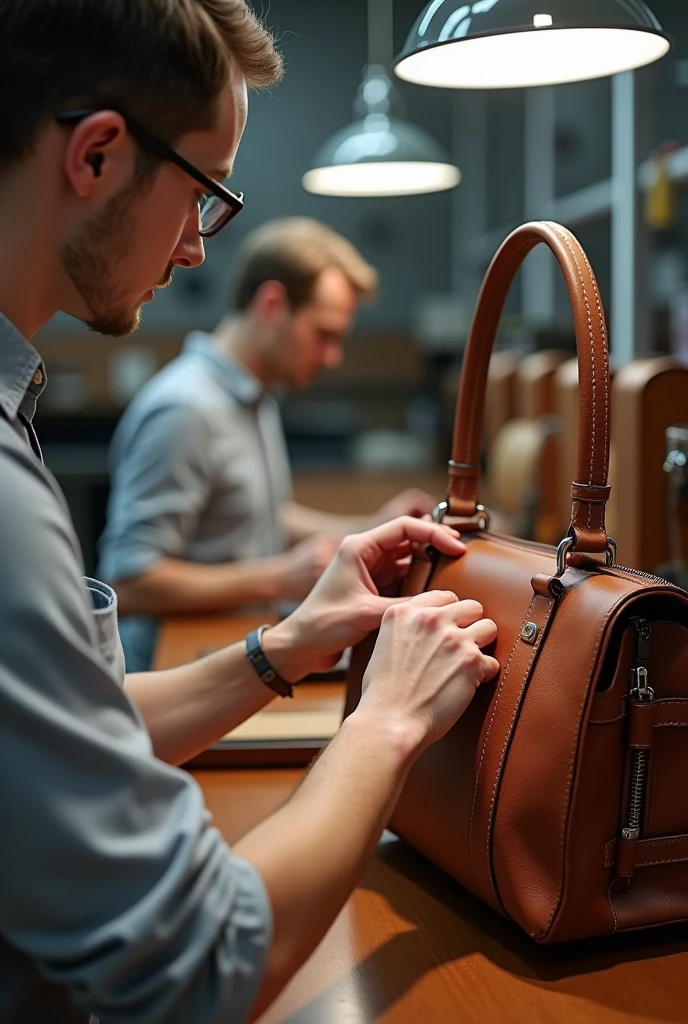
201	515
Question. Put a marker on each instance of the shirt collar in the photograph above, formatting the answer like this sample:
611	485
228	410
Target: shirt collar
230	374
22	375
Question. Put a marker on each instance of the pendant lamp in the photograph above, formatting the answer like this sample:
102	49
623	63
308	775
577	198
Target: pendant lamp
496	44
380	154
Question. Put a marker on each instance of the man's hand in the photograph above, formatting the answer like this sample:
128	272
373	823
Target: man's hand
346	604
424	671
412	502
427	665
303	565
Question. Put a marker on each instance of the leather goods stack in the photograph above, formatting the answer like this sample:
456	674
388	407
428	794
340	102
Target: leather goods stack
522	459
500	394
559	798
648	396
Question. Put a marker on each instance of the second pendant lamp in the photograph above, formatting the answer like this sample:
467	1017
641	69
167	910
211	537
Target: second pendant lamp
380	154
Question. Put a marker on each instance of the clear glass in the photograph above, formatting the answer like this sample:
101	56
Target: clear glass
213	215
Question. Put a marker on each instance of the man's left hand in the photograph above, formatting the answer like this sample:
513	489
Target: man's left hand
346	603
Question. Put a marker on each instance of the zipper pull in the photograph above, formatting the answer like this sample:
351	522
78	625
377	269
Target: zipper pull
640	687
644	630
640	690
640	740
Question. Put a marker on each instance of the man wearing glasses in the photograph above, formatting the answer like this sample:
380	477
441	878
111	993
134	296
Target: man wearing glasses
118	898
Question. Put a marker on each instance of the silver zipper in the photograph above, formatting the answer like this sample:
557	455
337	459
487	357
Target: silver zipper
640	691
547	549
646	576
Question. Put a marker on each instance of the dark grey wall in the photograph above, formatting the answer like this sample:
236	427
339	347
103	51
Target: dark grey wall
409	239
325	48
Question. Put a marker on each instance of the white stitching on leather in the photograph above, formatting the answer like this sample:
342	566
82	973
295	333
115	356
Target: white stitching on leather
463	483
607	721
569	784
517	706
663	842
605	358
609	897
502	682
605	351
610	852
655	863
471	415
565	238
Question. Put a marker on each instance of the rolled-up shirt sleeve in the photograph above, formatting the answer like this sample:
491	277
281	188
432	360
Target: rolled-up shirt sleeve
161	478
114	885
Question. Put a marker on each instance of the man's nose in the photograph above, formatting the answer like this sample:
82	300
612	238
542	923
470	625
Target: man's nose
190	251
334	357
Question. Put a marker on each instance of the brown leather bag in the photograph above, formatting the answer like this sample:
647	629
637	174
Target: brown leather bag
560	798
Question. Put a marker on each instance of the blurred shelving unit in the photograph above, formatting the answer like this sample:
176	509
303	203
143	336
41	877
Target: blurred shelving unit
617	199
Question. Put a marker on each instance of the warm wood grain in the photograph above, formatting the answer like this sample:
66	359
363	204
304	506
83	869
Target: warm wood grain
362	493
184	638
410	947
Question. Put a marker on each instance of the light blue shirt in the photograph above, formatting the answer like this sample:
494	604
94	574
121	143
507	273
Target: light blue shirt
199	472
117	896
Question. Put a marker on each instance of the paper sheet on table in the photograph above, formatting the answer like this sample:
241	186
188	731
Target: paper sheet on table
288	725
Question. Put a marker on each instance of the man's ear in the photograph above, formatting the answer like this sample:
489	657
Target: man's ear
271	302
100	155
96	161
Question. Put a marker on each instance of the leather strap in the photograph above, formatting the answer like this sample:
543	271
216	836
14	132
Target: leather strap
496	738
590	492
651	852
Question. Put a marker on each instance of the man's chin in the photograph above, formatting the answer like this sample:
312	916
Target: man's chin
113	324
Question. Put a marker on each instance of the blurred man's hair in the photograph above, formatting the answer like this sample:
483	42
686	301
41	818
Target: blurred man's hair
163	63
295	251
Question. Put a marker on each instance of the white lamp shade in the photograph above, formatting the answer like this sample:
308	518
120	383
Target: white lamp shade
496	44
379	156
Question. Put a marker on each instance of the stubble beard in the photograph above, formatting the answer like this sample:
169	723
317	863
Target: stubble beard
93	258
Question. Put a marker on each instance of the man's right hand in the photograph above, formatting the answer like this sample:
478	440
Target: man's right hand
425	669
427	664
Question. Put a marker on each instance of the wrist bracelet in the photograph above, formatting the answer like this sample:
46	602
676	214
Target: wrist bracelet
264	670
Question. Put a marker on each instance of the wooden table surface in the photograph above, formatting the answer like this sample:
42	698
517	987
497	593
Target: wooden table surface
412	947
184	638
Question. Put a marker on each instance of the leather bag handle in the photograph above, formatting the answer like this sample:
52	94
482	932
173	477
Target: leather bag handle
590	491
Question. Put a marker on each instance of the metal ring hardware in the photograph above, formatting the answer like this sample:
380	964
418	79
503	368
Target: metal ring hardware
565	547
440	512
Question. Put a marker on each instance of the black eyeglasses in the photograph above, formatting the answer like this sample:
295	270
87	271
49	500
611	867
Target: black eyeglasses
215	210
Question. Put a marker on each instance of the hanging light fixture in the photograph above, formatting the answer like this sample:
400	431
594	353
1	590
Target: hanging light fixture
496	44
380	154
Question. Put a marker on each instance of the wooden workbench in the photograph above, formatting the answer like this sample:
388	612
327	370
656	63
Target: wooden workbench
412	947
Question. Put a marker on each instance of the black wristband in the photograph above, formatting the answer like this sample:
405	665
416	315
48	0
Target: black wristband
264	670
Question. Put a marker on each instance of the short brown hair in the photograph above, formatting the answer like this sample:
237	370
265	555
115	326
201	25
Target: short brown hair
162	62
295	251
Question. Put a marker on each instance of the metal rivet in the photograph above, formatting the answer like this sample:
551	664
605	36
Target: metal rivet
529	632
